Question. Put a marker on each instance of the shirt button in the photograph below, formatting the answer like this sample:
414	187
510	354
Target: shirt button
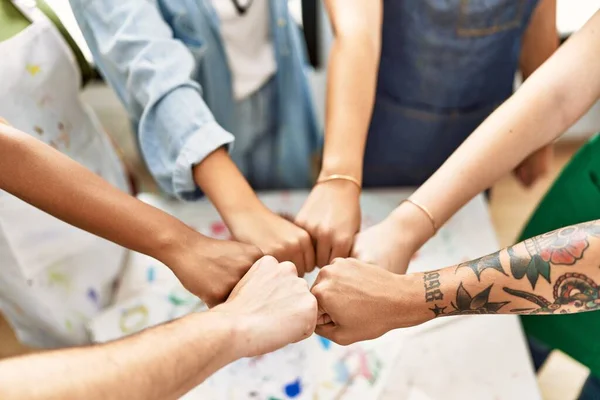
281	22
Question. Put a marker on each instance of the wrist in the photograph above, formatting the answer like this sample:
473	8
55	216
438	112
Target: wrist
223	183
416	228
237	328
173	245
409	305
222	324
340	166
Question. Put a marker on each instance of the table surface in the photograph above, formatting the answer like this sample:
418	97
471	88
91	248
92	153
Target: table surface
468	357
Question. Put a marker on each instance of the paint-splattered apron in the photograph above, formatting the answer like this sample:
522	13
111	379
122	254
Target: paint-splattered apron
445	66
53	277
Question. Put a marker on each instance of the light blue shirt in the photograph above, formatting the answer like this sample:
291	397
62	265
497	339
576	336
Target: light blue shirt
167	63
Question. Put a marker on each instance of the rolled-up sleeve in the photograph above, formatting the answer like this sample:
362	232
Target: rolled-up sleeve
151	72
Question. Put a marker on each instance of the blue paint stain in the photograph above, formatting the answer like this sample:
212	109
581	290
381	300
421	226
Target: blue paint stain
92	295
342	374
326	343
151	274
293	389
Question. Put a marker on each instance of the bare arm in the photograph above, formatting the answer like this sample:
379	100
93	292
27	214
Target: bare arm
167	361
351	83
52	182
554	273
539	42
331	214
161	363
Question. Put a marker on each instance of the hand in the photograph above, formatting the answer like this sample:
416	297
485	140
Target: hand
271	307
358	301
392	243
211	268
275	236
535	166
331	215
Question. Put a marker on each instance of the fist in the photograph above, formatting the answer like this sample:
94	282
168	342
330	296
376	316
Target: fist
275	236
331	215
271	307
211	268
358	301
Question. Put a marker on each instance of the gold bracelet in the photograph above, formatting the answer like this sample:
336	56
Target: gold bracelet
426	211
335	177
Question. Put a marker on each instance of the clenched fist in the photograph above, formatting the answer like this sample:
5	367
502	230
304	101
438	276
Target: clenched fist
272	307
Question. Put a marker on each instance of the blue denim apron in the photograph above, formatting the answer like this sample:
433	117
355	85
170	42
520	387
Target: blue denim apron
445	66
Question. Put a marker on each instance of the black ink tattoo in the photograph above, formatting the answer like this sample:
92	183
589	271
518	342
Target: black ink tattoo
571	291
432	286
468	305
491	261
438	310
564	246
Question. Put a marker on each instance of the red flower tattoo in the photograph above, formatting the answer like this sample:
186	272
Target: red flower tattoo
563	247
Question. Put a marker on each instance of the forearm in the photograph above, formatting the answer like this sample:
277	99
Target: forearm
224	185
160	363
554	273
351	84
54	183
540	40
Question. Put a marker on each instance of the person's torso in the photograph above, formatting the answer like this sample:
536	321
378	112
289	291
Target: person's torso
248	44
196	24
445	66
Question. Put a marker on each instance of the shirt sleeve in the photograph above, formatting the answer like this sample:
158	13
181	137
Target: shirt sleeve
151	72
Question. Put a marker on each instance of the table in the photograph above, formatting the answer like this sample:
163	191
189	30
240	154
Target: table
470	357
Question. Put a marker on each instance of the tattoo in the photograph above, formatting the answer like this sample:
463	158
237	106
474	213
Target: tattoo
572	291
564	246
491	261
432	286
467	304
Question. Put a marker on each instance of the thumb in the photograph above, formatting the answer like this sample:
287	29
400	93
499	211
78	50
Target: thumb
323	318
326	331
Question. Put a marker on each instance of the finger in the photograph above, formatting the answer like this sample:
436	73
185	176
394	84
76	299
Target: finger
309	254
341	249
298	260
266	261
323	250
3	121
300	265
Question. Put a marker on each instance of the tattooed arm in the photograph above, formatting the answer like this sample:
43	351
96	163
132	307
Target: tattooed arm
557	272
554	273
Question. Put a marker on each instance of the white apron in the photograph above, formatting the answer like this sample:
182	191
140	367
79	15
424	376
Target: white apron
53	277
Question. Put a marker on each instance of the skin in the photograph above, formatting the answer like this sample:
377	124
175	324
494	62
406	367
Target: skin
554	273
331	213
37	174
539	42
167	361
555	96
247	218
